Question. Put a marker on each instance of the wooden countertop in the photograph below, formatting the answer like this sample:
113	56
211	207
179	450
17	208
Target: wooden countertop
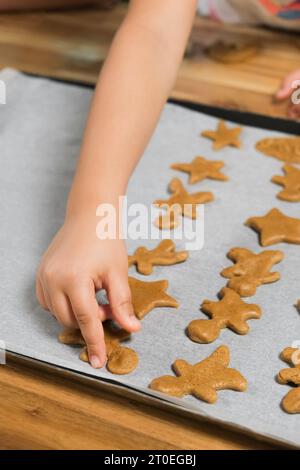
71	45
42	411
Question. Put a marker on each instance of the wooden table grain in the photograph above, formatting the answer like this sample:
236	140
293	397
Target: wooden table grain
71	45
43	411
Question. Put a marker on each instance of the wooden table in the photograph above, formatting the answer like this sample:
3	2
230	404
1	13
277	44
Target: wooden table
71	45
42	410
45	411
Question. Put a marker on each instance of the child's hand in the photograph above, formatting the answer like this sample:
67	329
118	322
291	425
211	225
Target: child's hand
133	86
76	265
286	90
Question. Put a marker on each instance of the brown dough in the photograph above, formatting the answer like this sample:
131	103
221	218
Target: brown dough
170	220
232	53
229	312
183	202
286	149
251	270
120	360
163	255
148	295
203	379
224	136
276	227
200	168
291	402
290	182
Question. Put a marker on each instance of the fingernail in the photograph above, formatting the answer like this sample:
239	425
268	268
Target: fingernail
95	362
134	322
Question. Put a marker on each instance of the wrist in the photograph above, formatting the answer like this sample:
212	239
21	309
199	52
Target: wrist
85	204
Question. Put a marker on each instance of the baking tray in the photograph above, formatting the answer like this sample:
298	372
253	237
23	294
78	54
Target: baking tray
48	120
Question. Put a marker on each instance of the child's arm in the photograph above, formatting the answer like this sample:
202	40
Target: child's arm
133	86
288	87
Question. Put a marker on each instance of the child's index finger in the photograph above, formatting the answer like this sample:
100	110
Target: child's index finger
86	311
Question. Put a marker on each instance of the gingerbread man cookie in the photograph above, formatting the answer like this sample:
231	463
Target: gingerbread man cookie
291	403
224	136
233	53
286	149
229	312
251	270
275	227
182	202
290	182
146	296
164	254
120	360
203	379
200	168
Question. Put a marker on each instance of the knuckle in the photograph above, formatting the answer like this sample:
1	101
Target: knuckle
124	302
48	273
83	318
69	323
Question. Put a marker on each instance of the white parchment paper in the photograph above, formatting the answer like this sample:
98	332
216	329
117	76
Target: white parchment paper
40	133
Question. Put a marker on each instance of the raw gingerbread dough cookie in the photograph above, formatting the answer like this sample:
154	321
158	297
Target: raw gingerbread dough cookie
290	182
251	270
182	202
233	53
170	220
275	227
224	136
286	149
229	312
164	254
291	402
200	168
120	360
148	295
203	379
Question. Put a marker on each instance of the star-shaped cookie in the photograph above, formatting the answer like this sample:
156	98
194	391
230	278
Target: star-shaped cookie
182	201
275	227
224	136
229	312
290	182
120	360
203	379
146	296
291	402
251	270
164	254
200	168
